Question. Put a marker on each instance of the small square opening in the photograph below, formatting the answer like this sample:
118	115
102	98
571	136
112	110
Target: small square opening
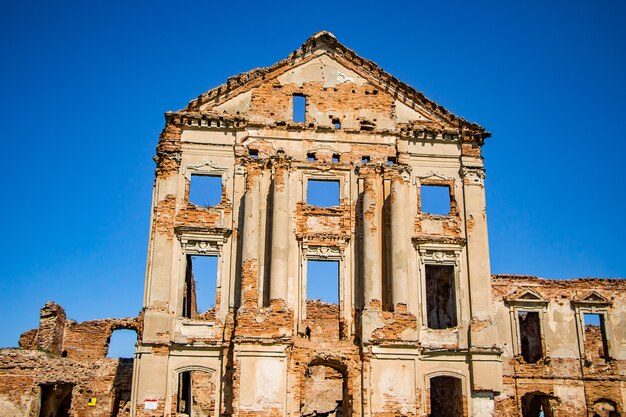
336	157
310	157
205	190
254	153
365	159
322	193
435	199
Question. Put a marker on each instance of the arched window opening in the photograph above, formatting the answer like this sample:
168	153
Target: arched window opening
536	404
122	343
324	392
605	408
446	397
196	394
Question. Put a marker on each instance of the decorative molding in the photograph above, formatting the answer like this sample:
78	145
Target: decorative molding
323	252
475	175
439	253
432	175
202	241
208	167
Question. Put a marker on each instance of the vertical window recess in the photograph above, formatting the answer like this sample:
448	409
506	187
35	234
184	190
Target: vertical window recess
323	281
531	346
200	285
440	296
299	108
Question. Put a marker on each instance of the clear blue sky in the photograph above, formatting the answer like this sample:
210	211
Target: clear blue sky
84	85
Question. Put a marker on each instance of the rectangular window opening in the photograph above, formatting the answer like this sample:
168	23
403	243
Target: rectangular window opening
440	296
435	199
530	336
254	153
365	159
205	190
391	160
596	346
322	193
322	281
336	123
310	157
200	287
299	108
336	157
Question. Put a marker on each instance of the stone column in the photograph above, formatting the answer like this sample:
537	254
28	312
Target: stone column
250	243
372	262
485	364
400	225
280	233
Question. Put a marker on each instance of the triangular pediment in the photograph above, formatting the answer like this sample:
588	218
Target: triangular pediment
525	295
342	89
594	297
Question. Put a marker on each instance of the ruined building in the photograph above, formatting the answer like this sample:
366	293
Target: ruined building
325	157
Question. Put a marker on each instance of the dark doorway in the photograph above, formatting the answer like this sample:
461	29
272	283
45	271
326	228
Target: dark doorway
56	400
446	397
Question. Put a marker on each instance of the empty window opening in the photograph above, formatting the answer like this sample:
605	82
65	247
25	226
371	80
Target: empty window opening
323	281
435	199
530	336
205	190
322	193
605	408
446	397
440	295
196	394
392	160
323	392
310	156
254	153
299	108
336	157
200	287
596	346
122	344
365	159
336	123
56	400
536	404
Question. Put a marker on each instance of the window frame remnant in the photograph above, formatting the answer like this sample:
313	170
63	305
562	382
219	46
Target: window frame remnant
321	253
442	255
526	301
593	303
197	241
311	200
443	407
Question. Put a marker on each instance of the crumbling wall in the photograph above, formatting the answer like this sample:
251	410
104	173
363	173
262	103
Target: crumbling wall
62	367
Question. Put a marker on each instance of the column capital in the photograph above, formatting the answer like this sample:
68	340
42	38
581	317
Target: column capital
472	175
